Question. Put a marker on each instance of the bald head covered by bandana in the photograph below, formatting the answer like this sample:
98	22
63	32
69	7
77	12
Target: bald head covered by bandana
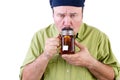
77	3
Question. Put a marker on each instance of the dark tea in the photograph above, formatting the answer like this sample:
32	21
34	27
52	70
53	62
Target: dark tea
67	41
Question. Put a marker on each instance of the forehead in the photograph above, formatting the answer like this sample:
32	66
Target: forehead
67	9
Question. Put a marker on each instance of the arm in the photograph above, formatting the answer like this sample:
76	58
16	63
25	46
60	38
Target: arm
84	59
36	69
100	70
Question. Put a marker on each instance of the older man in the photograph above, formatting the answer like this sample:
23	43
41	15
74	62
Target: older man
93	58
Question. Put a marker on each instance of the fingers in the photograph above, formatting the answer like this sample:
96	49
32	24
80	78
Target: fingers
71	59
51	45
52	42
68	58
79	45
59	36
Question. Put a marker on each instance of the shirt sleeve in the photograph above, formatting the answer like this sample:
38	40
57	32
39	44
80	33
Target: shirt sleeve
106	55
33	52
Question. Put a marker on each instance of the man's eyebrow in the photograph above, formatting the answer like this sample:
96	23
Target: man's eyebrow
65	13
73	13
61	13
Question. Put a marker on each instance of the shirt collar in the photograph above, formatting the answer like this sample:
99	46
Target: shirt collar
80	32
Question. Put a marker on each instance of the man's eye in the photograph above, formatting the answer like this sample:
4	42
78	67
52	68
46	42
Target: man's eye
62	16
72	16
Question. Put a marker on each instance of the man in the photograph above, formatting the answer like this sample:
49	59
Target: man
93	58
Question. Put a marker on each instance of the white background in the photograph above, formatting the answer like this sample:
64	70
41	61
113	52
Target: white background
20	19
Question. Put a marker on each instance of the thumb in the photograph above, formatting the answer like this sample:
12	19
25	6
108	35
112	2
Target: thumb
79	45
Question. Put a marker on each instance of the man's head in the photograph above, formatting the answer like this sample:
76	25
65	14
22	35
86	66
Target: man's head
77	3
67	13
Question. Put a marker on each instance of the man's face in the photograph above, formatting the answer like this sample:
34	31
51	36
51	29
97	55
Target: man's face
67	16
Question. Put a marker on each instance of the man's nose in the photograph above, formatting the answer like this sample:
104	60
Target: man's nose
67	21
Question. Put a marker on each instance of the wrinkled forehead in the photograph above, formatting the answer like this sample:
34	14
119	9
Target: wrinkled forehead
67	9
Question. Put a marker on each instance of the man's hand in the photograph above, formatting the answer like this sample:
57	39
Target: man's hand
51	46
81	58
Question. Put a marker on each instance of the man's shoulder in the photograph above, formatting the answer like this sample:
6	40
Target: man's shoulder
91	28
46	28
94	30
48	31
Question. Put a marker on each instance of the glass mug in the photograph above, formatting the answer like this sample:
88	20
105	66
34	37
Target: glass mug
67	41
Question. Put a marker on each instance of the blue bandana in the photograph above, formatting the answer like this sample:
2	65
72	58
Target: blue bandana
76	3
